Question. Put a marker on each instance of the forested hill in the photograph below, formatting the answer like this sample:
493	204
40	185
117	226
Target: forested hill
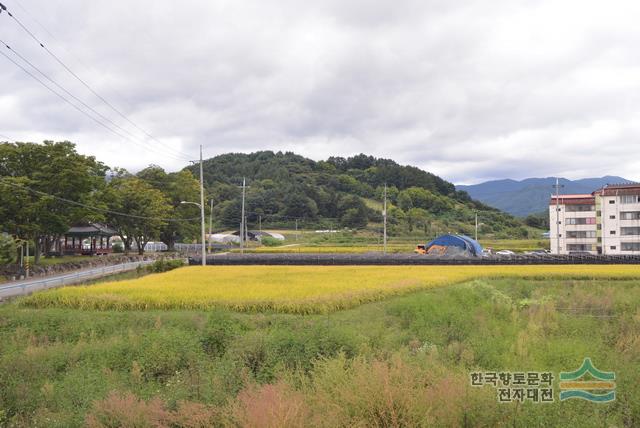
343	192
368	171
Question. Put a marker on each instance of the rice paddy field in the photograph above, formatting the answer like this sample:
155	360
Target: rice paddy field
294	289
276	346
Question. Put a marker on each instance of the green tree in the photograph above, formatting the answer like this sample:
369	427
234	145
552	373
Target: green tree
138	211
176	187
53	184
300	206
8	249
353	212
419	217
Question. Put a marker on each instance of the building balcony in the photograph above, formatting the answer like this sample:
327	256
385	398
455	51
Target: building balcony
578	227
580	240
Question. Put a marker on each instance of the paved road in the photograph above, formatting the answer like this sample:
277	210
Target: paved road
28	286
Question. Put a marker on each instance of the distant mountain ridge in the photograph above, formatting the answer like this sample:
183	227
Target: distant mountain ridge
531	195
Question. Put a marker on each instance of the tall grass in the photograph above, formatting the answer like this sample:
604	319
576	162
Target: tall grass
400	362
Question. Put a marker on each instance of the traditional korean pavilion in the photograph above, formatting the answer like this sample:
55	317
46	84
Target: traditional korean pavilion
89	239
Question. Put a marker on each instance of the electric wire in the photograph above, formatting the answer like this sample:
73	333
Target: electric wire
94	111
86	85
90	207
62	97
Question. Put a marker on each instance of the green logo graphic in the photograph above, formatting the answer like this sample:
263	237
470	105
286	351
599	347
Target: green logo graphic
600	389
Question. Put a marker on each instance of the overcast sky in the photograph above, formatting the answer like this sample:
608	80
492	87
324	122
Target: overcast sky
469	90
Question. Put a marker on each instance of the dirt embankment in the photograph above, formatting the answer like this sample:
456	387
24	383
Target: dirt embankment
9	271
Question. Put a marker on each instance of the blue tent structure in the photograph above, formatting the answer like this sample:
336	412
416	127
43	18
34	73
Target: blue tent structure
454	245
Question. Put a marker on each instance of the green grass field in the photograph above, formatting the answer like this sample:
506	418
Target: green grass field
404	360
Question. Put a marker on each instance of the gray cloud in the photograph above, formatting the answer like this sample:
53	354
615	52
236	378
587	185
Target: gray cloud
469	90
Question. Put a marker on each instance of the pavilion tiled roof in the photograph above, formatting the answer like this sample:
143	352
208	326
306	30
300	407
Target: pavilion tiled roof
91	229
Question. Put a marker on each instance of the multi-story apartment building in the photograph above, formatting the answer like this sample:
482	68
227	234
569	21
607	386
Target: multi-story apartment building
606	221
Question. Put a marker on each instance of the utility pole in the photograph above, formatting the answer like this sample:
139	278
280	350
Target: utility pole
260	222
476	225
204	248
242	224
557	186
296	229
384	216
210	224
246	230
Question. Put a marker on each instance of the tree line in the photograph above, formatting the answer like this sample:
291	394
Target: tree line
46	188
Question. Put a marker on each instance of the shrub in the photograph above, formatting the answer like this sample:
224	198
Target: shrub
165	265
165	353
126	410
268	406
218	333
118	247
269	241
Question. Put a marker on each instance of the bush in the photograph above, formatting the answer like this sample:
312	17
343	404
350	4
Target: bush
218	333
126	410
165	353
164	265
118	247
269	241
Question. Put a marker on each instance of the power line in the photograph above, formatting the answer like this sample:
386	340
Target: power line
62	97
86	85
94	111
104	210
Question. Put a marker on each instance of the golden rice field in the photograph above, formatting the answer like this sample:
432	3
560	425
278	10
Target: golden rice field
294	289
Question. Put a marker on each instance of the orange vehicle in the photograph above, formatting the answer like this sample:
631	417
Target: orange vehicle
420	249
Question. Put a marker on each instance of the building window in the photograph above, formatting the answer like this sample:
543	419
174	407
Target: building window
581	234
612	217
579	247
630	246
581	220
630	215
578	208
613	247
612	201
629	231
629	199
613	232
